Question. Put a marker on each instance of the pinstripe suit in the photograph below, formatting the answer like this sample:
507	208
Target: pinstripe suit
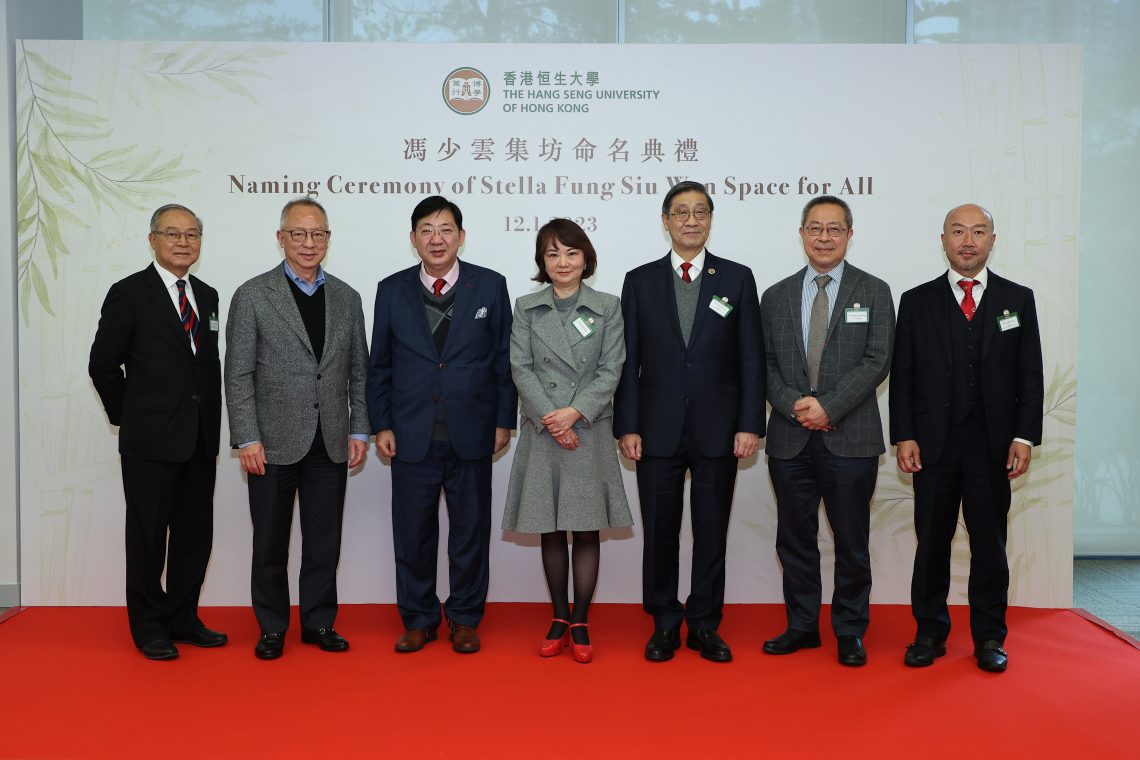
838	465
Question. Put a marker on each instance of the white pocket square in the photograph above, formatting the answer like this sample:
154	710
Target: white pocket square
481	313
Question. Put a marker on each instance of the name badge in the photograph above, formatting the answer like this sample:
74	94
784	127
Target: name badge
857	315
721	306
215	325
584	326
1008	320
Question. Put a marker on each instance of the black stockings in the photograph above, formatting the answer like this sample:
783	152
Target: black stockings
556	565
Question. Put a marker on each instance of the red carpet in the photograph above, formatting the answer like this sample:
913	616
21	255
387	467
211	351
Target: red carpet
75	687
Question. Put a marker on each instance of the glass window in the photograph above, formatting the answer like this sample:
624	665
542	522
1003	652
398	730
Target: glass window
265	20
487	21
724	21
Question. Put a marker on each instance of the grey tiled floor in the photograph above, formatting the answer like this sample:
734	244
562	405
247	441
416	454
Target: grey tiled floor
1109	589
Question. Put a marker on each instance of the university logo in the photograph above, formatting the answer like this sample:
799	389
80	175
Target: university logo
466	90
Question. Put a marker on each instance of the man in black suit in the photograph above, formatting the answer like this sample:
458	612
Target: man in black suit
691	397
966	405
161	326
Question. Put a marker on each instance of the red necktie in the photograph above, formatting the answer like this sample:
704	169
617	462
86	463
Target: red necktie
685	272
968	305
437	287
186	314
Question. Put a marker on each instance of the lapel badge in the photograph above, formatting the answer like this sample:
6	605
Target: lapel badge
856	306
712	271
590	320
1005	313
482	313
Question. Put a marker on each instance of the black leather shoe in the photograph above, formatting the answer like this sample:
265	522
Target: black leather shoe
991	657
922	651
159	649
662	644
792	640
203	637
326	638
851	651
709	644
269	646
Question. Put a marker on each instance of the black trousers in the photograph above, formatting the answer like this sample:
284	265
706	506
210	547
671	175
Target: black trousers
964	475
416	488
169	523
845	485
661	488
318	484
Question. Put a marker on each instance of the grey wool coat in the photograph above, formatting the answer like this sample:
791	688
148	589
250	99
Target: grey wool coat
275	389
554	366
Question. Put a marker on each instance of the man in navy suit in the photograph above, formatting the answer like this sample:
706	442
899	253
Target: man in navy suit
966	405
154	363
441	402
691	398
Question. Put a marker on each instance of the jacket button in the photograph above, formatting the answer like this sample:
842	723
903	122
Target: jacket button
442	365
546	359
573	384
318	376
317	406
554	385
195	397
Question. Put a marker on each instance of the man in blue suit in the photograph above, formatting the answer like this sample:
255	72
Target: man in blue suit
691	398
441	402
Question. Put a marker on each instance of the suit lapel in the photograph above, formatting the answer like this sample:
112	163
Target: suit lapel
281	298
795	294
551	330
710	280
851	277
413	293
665	294
206	311
462	311
940	291
160	297
988	310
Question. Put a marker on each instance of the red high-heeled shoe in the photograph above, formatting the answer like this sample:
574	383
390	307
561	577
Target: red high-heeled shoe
581	652
553	647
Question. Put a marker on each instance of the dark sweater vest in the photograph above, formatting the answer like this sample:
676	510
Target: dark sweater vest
312	310
966	360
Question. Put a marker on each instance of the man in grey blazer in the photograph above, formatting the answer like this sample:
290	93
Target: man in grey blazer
296	364
828	331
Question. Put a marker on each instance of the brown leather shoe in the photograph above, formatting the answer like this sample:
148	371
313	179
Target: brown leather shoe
464	639
413	639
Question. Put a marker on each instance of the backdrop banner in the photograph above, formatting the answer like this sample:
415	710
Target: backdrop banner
517	134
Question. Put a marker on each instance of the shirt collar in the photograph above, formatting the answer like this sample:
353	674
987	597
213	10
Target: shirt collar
982	277
697	261
450	278
836	274
169	279
303	283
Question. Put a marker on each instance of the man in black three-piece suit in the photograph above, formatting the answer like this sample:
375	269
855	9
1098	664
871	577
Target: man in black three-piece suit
966	404
154	363
828	331
691	398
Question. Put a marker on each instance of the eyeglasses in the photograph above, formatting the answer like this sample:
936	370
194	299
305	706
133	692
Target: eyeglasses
815	230
700	215
173	236
429	232
318	236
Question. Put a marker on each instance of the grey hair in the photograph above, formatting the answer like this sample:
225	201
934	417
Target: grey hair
158	212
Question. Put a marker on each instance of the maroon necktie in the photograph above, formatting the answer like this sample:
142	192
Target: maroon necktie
968	305
685	272
437	287
187	315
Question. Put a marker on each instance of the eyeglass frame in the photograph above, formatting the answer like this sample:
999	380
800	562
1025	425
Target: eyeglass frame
832	230
700	214
306	234
193	237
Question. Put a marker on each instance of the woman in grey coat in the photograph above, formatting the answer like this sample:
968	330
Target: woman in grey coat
567	350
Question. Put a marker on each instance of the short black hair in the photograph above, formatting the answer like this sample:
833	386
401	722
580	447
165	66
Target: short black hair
570	235
684	187
433	204
820	200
